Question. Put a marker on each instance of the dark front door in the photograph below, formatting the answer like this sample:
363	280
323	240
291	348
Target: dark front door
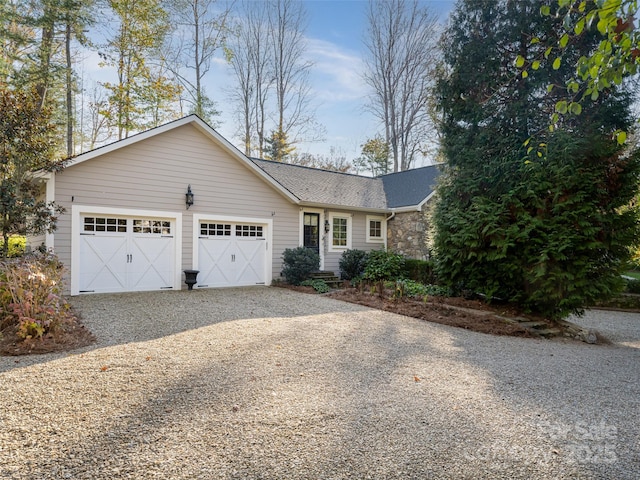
312	231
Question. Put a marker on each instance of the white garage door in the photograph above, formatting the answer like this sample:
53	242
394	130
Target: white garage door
122	254
231	254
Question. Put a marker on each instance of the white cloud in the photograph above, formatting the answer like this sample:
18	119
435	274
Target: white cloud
336	72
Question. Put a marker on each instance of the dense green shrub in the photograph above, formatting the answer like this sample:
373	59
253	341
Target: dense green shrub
421	271
318	285
632	286
352	263
299	263
31	295
383	265
17	245
528	214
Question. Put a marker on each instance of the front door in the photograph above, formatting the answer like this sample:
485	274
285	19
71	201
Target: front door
312	231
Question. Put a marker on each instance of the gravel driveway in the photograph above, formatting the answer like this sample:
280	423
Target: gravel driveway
273	384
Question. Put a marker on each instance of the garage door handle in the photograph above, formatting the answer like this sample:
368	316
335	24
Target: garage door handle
233	258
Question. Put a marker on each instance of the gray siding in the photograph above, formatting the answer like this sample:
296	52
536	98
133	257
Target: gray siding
153	174
358	240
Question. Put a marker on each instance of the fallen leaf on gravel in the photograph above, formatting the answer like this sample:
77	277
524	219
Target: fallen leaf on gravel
148	358
103	368
416	378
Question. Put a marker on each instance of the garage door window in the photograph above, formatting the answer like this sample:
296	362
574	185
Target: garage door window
161	227
104	224
215	229
249	231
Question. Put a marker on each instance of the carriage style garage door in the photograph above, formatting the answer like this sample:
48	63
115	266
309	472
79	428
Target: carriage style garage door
121	253
231	254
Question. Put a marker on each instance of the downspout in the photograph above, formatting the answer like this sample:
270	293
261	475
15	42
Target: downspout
386	236
50	196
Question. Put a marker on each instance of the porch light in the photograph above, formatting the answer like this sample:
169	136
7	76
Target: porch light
327	226
189	197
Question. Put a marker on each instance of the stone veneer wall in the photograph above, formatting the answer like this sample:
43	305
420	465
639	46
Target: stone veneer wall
409	233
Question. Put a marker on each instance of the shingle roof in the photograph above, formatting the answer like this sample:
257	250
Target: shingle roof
312	185
410	187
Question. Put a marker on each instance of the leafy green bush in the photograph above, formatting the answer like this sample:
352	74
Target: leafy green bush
419	271
299	263
633	286
31	295
352	263
318	285
383	265
17	245
411	288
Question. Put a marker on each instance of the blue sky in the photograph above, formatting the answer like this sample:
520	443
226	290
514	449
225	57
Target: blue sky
335	46
334	36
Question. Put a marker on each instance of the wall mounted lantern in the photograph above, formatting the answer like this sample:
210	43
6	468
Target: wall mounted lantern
189	197
327	226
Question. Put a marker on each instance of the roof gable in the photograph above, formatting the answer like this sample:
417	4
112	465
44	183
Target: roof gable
195	121
411	187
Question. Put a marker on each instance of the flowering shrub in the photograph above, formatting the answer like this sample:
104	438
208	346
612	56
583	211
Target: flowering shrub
31	295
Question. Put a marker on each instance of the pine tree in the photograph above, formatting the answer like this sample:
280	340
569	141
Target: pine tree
278	147
526	214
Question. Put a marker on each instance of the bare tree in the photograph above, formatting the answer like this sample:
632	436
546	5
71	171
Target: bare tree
97	130
201	28
294	116
272	92
251	62
402	52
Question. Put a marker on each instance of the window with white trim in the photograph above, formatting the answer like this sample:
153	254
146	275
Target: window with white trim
143	225
375	229
340	236
215	229
104	224
249	231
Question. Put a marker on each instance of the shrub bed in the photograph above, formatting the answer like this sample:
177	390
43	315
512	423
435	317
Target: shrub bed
31	296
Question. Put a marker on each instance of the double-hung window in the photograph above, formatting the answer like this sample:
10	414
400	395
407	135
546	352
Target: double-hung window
340	238
375	229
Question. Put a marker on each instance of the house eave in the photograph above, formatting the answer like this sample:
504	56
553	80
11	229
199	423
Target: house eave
412	208
333	206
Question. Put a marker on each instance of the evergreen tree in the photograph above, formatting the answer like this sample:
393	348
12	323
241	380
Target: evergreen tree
375	156
278	147
526	214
